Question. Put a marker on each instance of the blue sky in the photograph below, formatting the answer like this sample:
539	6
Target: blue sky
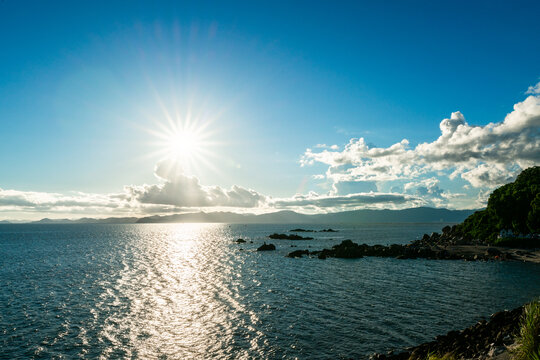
86	90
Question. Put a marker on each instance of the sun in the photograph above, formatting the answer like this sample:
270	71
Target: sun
184	144
186	135
186	141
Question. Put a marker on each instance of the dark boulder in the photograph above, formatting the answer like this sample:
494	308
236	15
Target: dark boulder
298	253
266	247
240	241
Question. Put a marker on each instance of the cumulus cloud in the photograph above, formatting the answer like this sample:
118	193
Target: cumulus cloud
426	187
430	191
182	190
487	155
175	192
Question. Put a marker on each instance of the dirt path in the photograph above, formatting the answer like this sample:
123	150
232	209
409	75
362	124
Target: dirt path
529	255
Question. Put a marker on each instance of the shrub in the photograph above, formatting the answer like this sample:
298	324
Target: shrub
528	339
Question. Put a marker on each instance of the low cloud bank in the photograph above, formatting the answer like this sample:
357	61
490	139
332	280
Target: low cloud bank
361	200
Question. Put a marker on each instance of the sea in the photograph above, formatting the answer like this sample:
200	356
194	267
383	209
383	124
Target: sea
189	291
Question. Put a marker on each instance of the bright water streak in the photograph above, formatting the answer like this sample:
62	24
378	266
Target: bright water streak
181	291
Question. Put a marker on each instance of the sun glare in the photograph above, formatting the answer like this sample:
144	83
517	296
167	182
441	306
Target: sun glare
185	140
184	144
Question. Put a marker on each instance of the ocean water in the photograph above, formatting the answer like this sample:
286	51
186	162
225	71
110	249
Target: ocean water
182	291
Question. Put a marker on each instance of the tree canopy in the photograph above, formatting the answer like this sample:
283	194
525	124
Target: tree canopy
514	206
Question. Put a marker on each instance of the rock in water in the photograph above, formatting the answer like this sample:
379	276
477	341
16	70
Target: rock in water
266	247
289	237
298	253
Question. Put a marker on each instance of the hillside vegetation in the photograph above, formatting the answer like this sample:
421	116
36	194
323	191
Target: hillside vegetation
514	207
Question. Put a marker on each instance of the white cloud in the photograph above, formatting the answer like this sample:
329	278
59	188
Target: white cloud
487	155
42	201
324	146
533	89
175	192
182	190
361	176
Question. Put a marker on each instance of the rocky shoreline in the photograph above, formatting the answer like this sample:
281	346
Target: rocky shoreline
448	245
490	339
348	249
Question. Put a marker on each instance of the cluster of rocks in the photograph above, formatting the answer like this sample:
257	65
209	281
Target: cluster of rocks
288	237
304	230
350	250
449	236
480	341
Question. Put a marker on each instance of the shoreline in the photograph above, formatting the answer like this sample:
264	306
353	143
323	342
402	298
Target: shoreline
513	254
492	339
467	252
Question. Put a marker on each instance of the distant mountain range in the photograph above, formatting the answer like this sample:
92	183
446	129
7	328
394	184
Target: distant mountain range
111	220
413	215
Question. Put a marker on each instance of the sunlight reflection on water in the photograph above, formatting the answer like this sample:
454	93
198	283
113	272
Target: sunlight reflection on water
180	291
177	297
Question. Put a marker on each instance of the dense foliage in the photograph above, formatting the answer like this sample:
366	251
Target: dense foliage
514	207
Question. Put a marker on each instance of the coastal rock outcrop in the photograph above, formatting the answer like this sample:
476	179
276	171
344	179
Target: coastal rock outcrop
475	342
348	249
289	237
298	253
308	230
266	247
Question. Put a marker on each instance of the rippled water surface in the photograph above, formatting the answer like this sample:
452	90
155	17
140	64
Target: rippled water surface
180	291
